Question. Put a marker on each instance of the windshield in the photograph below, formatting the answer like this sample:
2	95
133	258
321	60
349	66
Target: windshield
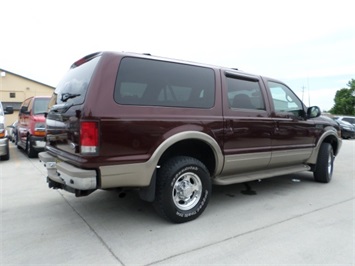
40	105
72	88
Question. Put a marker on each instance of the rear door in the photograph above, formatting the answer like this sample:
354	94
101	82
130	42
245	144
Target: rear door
294	135
248	125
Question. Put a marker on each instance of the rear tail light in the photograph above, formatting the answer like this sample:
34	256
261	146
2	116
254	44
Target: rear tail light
89	137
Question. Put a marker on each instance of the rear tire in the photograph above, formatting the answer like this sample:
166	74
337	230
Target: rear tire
325	164
183	189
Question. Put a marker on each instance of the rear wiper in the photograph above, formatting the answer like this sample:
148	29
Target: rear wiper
66	96
61	108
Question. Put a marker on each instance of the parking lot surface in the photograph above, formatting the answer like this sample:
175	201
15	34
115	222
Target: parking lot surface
286	220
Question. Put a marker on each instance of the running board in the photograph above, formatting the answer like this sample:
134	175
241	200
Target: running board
250	176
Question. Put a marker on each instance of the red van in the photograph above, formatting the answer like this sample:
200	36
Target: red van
31	125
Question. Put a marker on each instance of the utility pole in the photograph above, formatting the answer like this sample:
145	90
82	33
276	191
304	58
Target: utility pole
309	96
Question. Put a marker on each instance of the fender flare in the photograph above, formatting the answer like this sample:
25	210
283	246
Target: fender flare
329	131
188	135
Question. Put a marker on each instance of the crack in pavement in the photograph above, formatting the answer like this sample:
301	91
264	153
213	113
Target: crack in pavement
251	231
93	230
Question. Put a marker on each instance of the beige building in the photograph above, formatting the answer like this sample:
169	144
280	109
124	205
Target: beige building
14	89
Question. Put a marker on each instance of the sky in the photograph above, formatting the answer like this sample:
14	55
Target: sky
308	44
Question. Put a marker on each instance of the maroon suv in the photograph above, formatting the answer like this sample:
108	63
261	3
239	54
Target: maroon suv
172	129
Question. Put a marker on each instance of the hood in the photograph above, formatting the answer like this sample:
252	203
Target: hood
329	120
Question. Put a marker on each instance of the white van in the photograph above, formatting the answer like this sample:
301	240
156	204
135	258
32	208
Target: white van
4	141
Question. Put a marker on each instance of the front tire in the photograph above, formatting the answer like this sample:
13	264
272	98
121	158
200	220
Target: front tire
325	164
183	189
29	148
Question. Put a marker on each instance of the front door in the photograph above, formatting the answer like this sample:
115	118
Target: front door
294	135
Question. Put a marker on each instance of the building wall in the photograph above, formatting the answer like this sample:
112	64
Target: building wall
14	89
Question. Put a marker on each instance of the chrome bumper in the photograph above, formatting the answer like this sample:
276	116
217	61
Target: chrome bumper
67	174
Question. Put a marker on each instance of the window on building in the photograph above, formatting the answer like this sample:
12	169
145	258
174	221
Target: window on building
12	94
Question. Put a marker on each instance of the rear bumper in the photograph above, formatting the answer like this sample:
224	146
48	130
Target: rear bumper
68	175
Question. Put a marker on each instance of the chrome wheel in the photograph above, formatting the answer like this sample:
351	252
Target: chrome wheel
330	163
183	189
325	163
187	191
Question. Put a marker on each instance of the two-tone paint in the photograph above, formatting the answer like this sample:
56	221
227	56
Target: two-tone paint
236	145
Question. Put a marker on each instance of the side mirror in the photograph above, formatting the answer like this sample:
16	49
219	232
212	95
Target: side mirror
9	110
313	112
24	109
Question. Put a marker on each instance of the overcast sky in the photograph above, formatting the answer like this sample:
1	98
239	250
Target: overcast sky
308	44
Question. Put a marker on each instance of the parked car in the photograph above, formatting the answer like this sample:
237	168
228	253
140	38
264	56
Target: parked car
31	125
4	141
349	119
172	128
347	129
12	131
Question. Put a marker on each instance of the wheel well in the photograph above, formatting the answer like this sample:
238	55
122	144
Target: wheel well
333	142
194	148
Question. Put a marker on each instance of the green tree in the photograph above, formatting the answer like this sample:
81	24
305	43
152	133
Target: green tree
344	101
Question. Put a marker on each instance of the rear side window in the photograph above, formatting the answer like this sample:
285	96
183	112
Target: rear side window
245	94
158	83
72	88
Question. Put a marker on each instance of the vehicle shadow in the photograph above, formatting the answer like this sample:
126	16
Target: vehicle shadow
125	206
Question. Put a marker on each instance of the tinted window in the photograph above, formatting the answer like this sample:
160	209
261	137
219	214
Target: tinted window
244	94
72	88
159	83
25	106
349	119
284	99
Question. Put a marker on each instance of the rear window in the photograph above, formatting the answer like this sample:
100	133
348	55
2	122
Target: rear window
158	83
72	88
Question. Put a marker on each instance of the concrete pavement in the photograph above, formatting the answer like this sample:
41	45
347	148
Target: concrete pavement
290	220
